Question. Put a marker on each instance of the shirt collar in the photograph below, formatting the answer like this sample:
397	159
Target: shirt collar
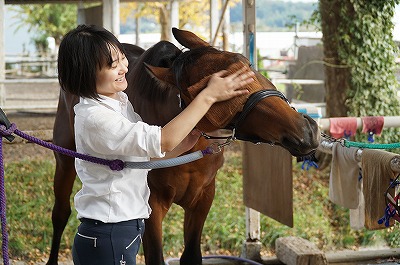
115	104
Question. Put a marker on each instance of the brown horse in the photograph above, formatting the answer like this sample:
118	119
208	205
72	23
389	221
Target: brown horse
156	94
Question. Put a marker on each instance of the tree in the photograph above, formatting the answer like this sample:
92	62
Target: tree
360	59
47	20
193	14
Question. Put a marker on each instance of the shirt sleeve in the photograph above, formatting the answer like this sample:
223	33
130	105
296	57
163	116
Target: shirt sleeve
109	132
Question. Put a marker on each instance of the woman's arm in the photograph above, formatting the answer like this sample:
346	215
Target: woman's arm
218	89
185	145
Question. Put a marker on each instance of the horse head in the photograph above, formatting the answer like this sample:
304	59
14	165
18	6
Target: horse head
156	102
263	116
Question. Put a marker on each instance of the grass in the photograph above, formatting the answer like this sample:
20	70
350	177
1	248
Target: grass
30	199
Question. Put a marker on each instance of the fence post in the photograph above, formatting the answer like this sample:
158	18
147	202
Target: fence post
252	245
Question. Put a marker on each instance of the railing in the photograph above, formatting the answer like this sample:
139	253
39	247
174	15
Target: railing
31	65
28	94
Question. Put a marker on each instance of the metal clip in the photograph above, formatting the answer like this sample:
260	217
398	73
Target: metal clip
215	148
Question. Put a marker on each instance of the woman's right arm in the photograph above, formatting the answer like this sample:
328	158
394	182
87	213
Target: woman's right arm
218	89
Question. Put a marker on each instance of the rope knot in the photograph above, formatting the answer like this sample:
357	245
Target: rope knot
7	133
116	165
4	131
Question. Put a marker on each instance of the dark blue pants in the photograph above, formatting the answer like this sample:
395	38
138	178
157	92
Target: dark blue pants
98	243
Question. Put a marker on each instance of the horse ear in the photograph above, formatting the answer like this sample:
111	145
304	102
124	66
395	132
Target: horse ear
162	74
188	39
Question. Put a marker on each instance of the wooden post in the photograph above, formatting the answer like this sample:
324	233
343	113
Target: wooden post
298	251
252	246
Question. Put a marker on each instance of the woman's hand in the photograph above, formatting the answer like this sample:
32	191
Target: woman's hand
223	88
218	89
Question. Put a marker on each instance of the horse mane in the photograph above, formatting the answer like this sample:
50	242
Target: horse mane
161	54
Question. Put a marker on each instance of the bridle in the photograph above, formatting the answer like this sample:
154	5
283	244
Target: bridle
241	116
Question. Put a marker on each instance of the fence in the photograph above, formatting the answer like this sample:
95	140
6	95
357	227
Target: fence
29	94
31	65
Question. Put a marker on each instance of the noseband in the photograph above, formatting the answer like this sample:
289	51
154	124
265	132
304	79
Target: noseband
249	105
239	118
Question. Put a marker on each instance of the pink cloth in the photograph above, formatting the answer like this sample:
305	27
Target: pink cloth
343	125
372	124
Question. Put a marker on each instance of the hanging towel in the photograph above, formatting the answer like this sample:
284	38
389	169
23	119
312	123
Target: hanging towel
357	216
344	186
376	177
343	126
372	124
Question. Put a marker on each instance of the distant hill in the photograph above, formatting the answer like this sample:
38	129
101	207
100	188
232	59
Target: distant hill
274	15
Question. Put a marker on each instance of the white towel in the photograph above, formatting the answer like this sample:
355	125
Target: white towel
344	186
357	216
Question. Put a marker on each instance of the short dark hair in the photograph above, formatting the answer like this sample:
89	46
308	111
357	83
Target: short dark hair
82	52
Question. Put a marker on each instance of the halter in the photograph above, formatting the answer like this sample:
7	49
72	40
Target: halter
240	117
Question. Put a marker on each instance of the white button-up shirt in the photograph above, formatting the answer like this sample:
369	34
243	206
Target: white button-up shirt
110	129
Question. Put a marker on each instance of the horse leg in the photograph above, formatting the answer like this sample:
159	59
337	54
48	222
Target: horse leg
152	239
193	227
64	178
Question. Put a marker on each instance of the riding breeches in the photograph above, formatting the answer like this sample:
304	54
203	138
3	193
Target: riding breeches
98	243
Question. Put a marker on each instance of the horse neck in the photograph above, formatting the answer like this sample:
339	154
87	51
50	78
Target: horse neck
157	112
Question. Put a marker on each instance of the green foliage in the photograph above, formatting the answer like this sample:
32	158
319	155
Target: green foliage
366	44
29	191
47	20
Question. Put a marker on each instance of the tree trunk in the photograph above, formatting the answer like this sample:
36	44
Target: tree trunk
337	75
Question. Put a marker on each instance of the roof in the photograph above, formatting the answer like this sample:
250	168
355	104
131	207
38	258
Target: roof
20	2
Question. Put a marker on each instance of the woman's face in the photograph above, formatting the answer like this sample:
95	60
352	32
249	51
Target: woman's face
111	80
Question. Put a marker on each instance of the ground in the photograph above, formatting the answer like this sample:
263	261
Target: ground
31	106
28	121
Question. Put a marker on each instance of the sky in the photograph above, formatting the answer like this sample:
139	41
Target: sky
15	41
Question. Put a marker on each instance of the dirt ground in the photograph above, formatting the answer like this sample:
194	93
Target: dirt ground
28	121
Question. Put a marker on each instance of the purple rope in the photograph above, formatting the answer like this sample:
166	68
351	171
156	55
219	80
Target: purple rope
4	245
115	164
